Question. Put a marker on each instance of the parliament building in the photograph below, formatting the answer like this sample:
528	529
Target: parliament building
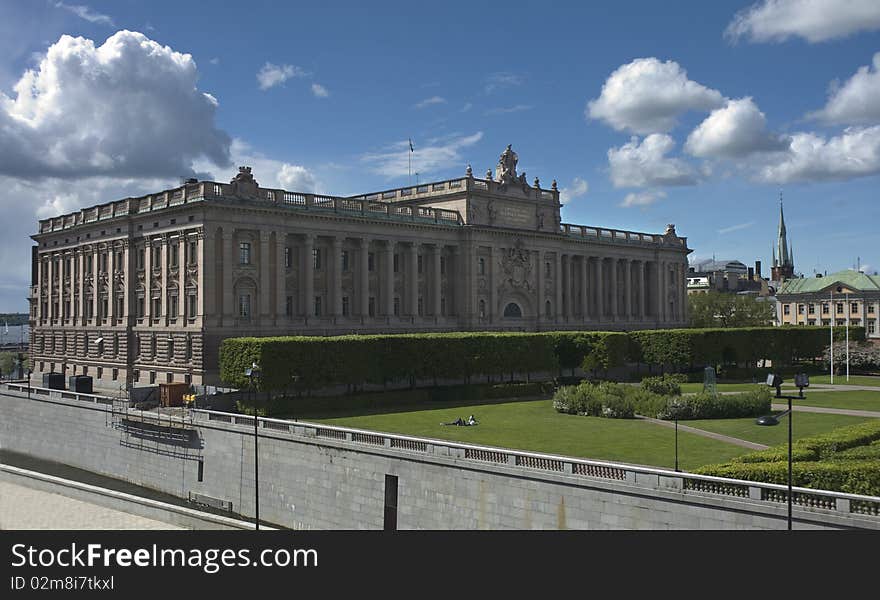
143	290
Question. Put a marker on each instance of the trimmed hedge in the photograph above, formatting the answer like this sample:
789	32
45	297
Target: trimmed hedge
849	476
358	359
818	447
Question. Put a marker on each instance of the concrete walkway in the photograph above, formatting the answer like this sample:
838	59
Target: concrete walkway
707	434
830	411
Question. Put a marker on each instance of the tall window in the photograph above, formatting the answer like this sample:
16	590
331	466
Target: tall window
189	348
103	260
120	307
397	307
482	266
288	306
140	258
170	347
191	305
824	308
482	308
443	306
547	270
420	264
172	302
173	256
317	306
839	308
287	257
345	306
421	309
442	265
157	307
344	261
853	307
548	309
157	256
812	309
244	253
786	309
141	307
316	258
244	305
371	262
371	306
193	251
870	309
396	263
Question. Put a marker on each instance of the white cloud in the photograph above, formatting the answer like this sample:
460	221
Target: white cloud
507	110
129	107
735	131
501	80
647	96
645	164
214	61
733	228
813	20
443	154
86	13
853	153
319	90
578	188
296	178
858	100
429	101
268	172
271	75
467	106
642	198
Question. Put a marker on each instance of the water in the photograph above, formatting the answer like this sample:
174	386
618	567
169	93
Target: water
16	333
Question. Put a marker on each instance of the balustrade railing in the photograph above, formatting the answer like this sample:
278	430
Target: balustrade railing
772	495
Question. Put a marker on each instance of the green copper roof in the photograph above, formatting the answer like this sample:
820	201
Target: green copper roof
851	279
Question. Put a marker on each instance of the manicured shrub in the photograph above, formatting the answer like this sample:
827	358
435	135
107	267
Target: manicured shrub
819	447
606	399
668	384
849	476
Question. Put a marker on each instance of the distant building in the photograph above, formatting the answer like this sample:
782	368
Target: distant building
730	276
783	256
816	301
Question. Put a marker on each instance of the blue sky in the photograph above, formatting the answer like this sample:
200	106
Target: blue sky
646	113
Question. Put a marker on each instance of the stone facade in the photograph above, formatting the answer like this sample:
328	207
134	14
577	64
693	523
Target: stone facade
143	290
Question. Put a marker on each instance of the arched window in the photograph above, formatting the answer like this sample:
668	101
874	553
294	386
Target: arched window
513	310
548	310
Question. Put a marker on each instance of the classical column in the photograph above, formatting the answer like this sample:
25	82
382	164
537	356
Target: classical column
640	290
627	289
95	286
307	276
436	290
129	280
493	299
364	275
388	280
585	300
541	301
336	272
148	281
265	288
412	279
457	282
600	290
228	265
202	285
50	303
659	299
566	287
615	292
111	287
280	277
558	301
182	241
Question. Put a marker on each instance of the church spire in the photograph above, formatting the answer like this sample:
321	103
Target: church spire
782	239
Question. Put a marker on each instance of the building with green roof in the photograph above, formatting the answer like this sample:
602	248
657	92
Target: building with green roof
845	295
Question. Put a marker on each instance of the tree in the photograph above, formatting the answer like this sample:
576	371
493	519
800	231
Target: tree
717	309
7	362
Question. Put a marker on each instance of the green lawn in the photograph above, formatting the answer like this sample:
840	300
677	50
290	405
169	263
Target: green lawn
859	400
803	425
535	426
841	379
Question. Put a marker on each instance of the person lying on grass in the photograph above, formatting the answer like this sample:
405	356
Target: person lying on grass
461	422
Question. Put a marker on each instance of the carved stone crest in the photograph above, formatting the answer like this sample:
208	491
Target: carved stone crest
516	264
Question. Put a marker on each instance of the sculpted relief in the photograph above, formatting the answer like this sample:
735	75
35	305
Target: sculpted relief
516	267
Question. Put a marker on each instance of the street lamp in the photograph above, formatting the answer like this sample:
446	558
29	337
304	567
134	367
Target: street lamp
252	373
831	328
675	408
847	307
801	381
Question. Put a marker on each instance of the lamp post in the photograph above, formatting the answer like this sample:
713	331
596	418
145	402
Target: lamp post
251	373
847	308
801	381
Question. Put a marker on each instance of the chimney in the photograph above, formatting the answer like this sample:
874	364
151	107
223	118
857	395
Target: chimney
751	274
758	268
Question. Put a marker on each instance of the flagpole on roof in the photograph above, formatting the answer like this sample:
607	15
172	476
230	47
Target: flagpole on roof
409	162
